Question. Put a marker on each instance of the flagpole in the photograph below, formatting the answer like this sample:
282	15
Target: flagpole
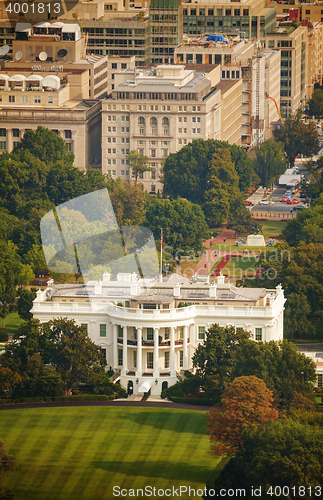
161	256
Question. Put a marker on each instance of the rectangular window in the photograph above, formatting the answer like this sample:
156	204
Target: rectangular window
16	132
11	98
166	333
150	360
84	325
120	357
258	335
103	330
320	381
24	99
181	359
150	334
104	353
50	99
68	134
181	332
120	331
3	145
153	174
167	359
68	147
37	99
201	332
3	132
135	359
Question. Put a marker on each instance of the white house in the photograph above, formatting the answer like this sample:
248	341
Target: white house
149	334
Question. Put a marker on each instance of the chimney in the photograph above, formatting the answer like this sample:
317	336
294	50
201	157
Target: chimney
98	287
177	290
106	276
220	279
134	289
212	290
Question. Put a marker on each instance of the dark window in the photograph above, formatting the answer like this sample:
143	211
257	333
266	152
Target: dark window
68	134
16	132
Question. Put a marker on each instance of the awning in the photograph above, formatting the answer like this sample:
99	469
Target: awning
145	387
58	24
4	77
51	81
20	27
17	78
70	28
34	78
42	24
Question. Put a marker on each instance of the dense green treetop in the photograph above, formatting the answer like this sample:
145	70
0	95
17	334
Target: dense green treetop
297	137
285	453
214	358
269	162
315	104
183	223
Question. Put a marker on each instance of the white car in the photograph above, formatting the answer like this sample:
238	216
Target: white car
265	202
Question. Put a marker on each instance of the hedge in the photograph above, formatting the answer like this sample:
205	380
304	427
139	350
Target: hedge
77	397
192	401
3	336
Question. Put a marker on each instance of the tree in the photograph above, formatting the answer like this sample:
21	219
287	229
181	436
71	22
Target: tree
187	173
71	352
214	358
45	145
7	463
247	401
183	223
240	219
25	302
280	365
129	203
315	104
296	313
60	343
269	162
298	137
12	274
285	453
139	163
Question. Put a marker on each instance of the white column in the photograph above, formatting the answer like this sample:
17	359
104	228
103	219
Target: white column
125	350
156	368
139	352
115	347
185	348
172	352
9	140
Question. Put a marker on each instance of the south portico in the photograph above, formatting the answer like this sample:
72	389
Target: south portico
151	355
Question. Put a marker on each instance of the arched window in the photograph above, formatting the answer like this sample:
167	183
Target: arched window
141	124
153	121
165	122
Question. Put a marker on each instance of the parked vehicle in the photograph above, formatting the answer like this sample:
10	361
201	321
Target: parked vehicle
249	203
284	198
293	201
299	207
266	202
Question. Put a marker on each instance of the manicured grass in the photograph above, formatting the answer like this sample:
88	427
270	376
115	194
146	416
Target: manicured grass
237	266
13	321
81	453
272	228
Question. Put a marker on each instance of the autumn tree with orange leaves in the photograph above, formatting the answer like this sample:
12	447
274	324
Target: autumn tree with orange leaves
246	402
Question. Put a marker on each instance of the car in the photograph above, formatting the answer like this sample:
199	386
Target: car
303	195
249	203
299	207
288	193
265	202
293	201
284	198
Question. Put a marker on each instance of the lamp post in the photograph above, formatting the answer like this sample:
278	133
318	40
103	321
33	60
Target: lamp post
41	277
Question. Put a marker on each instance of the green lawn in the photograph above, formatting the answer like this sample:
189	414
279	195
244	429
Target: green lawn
238	266
272	227
81	453
13	321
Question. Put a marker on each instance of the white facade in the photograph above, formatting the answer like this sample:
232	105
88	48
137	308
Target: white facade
150	339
